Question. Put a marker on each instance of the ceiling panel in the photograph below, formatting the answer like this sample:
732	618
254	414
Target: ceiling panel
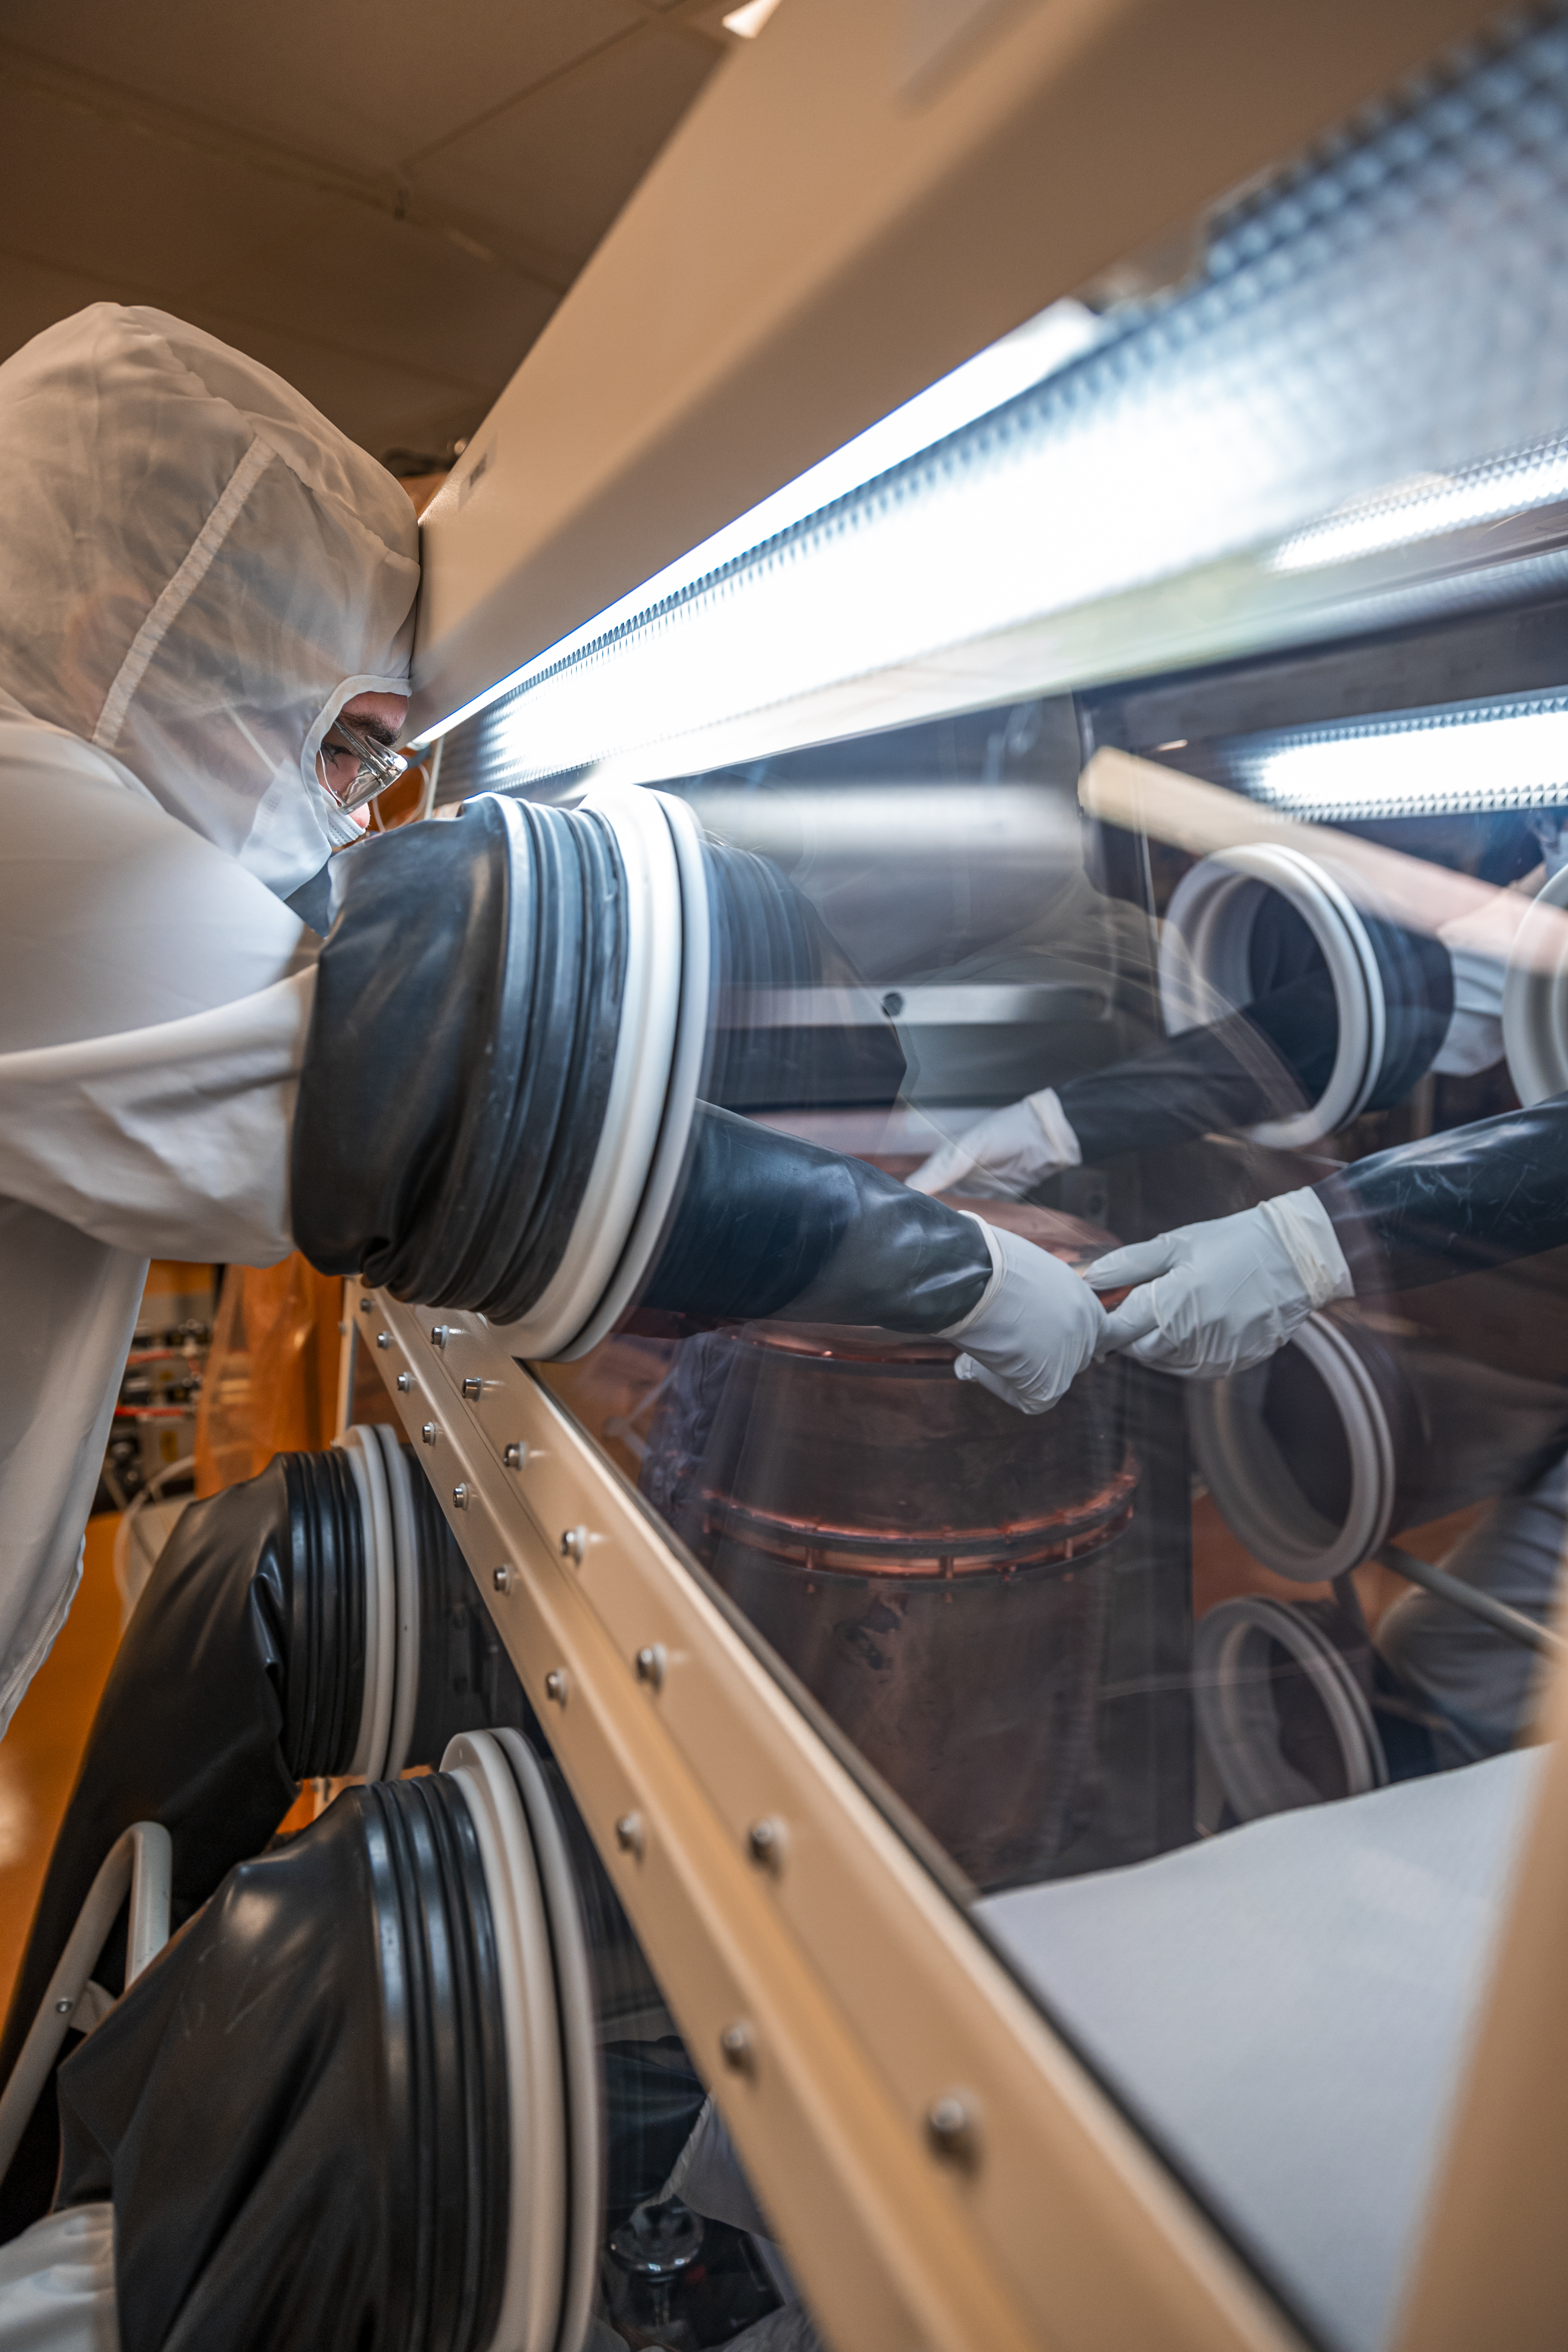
379	404
385	201
560	163
362	276
365	82
86	193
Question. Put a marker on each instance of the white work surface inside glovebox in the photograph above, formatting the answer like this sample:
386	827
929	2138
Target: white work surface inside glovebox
1288	2006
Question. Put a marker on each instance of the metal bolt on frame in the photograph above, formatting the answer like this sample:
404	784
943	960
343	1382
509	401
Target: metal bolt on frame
736	2048
951	2128
765	1843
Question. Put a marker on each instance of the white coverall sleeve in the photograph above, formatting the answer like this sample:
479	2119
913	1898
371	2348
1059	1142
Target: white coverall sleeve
150	1040
57	2284
150	1045
170	1141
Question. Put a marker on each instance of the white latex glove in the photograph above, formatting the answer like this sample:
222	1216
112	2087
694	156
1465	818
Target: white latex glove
1006	1152
1036	1328
1212	1299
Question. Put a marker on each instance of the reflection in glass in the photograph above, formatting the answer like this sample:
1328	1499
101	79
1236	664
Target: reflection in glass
1213	1695
1177	1674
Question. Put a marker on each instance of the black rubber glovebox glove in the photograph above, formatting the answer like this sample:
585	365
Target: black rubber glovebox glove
1456	1202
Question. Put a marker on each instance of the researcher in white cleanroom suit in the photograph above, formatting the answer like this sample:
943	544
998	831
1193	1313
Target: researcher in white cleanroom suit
197	573
199	578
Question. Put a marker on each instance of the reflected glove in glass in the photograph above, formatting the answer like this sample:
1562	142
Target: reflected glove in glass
1006	1153
1212	1299
1038	1325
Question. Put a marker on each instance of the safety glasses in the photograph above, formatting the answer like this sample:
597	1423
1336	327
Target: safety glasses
378	769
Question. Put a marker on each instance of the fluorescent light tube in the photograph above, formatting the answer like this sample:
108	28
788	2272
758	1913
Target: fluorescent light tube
1502	755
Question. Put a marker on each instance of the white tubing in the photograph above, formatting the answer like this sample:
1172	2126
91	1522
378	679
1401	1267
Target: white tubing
405	1581
1535	998
152	1893
640	1081
380	1603
530	2316
1203	969
141	1862
1250	1480
1237	1717
579	2038
145	1527
685	1077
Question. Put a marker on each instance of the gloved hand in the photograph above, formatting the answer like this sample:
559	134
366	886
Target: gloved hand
1035	1329
1006	1152
1212	1299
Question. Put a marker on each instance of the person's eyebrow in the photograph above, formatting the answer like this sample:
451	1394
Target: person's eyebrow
376	729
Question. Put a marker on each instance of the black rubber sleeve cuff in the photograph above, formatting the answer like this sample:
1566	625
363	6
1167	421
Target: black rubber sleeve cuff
1453	1203
771	1225
458	1063
772	954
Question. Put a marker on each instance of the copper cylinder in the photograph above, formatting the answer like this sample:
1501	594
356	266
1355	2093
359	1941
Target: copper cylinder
930	1563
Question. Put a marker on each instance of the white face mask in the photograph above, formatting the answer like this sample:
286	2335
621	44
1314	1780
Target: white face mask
293	833
210	571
